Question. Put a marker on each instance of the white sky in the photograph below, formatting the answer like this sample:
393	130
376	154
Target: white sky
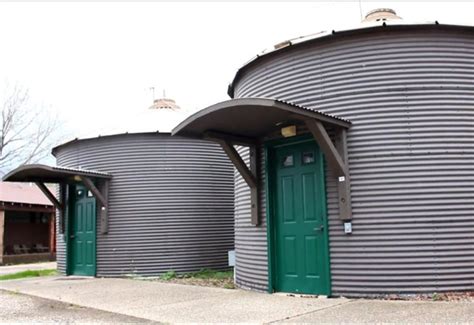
94	62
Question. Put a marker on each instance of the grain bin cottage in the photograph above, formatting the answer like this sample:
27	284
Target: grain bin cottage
355	159
142	202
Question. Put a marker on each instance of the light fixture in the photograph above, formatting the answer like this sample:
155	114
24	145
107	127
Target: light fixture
288	131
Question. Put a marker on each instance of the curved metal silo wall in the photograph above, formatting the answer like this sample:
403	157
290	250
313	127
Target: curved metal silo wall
251	270
171	203
410	96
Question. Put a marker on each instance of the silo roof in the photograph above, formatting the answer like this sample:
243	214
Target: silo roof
365	27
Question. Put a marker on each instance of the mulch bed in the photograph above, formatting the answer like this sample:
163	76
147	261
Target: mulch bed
216	283
443	296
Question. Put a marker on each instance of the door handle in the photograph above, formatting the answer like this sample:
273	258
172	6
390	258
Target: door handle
72	236
320	228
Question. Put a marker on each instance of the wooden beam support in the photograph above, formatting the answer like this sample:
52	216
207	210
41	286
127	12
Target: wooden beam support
336	155
254	191
102	197
344	184
95	191
322	138
50	196
238	162
64	197
231	138
103	212
250	175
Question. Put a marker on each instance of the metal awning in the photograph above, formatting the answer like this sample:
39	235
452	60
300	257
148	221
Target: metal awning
250	118
95	181
247	121
50	174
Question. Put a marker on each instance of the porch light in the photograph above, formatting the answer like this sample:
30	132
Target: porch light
288	131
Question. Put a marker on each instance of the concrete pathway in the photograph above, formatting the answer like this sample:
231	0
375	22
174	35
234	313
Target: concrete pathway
9	269
175	303
17	308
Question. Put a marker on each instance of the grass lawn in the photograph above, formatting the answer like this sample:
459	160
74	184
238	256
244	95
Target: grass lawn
28	274
205	277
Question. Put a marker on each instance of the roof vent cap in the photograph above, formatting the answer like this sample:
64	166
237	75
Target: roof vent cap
164	103
380	15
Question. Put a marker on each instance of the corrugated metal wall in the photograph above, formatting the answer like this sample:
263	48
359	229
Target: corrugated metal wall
171	203
410	96
250	241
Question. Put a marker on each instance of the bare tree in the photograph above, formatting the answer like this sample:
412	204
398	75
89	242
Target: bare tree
27	131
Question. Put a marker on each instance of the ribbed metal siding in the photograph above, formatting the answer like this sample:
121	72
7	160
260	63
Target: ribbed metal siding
410	96
250	241
171	203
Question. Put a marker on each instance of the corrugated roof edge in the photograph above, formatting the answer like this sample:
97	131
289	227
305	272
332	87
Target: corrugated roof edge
55	149
80	170
311	110
321	36
12	176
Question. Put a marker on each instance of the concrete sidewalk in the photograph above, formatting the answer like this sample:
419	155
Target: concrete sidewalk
175	303
10	269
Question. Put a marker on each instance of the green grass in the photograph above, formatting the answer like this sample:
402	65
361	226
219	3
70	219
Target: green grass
211	274
168	275
28	274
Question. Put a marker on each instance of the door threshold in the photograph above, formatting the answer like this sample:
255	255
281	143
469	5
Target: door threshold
300	295
74	277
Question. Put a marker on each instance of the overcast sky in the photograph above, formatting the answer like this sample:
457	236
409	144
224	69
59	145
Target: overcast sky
94	63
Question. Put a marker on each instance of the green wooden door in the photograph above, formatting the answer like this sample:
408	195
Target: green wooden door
301	257
82	233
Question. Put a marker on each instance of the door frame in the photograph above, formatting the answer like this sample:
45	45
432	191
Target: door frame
70	214
270	147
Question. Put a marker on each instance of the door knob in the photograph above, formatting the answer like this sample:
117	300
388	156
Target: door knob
320	228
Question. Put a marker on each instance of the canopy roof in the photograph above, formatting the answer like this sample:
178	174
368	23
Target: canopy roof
49	174
23	193
251	118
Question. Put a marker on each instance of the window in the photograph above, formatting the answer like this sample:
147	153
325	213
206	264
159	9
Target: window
308	158
288	161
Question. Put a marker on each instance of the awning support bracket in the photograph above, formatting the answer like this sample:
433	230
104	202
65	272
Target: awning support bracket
102	198
58	205
250	175
336	155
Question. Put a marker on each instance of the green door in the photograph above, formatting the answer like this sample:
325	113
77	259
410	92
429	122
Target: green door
82	232
301	257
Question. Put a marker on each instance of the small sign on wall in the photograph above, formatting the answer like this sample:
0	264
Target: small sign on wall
348	227
231	256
